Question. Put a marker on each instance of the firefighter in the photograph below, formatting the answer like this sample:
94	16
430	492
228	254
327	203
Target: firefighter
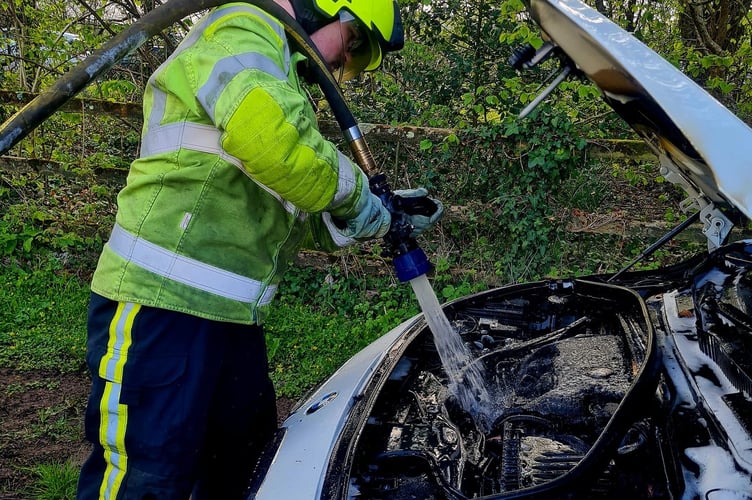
232	179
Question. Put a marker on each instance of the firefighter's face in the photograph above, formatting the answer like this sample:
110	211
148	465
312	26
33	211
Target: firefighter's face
341	45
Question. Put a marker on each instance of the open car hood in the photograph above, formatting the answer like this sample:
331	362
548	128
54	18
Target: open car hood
702	145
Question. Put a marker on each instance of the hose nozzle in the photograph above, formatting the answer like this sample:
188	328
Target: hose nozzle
410	261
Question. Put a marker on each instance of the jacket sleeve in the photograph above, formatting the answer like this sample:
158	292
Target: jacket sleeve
254	98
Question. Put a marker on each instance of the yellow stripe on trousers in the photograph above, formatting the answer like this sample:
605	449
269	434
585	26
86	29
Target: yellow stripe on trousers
113	415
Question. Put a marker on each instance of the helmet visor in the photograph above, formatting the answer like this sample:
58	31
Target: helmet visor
362	51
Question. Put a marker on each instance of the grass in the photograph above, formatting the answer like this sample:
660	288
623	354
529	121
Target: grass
323	317
43	318
54	481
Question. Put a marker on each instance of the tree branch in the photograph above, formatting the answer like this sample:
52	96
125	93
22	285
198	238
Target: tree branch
700	24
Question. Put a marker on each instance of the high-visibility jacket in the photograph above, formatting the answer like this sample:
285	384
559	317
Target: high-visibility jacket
233	174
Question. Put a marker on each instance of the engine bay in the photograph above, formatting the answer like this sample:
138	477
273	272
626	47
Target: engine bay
559	357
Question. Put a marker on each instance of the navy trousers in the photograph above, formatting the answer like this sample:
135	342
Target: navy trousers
179	405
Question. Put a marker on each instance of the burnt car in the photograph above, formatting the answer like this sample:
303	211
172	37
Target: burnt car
633	385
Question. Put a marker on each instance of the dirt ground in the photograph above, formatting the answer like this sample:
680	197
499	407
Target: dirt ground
41	422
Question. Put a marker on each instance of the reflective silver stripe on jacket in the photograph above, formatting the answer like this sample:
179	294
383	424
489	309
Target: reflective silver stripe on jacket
198	137
189	271
205	138
185	135
226	69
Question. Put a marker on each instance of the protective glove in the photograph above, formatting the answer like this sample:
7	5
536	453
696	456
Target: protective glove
420	211
372	218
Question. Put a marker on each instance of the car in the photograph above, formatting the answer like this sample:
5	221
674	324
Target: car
636	384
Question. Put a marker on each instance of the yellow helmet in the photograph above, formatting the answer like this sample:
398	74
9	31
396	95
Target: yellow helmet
380	18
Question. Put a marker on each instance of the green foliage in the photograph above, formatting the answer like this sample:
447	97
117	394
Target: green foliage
507	183
448	287
453	73
511	169
636	174
46	212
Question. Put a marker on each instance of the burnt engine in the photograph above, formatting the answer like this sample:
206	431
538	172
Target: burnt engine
559	360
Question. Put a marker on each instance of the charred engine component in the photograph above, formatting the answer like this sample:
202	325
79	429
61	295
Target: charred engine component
705	336
560	358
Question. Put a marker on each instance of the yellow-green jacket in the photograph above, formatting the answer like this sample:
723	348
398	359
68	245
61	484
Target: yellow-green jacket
233	175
